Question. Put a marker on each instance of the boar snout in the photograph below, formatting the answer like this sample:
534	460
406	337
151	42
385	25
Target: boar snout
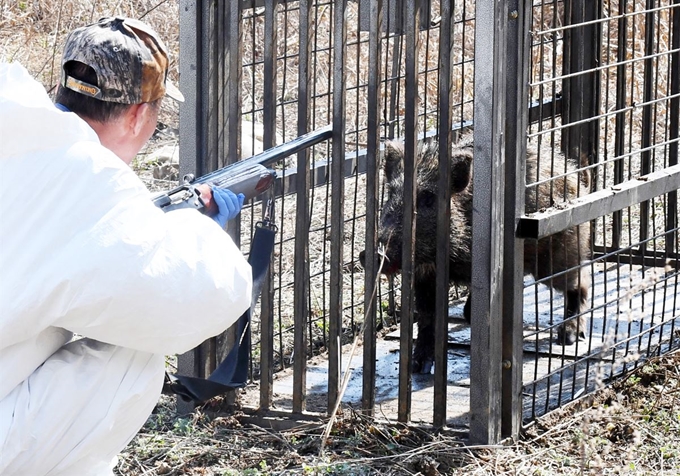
387	266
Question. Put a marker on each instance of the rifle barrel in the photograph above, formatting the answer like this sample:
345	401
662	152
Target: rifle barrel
274	154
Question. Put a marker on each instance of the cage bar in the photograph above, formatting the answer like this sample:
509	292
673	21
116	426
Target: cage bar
411	41
372	182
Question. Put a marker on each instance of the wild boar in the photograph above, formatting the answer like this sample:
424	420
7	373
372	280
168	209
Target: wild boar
560	254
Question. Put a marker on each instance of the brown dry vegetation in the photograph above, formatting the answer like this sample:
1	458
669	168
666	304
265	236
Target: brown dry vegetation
631	427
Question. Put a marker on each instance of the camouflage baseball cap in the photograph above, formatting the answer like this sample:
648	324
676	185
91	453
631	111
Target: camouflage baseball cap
130	60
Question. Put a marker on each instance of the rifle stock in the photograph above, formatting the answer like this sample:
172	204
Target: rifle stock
249	176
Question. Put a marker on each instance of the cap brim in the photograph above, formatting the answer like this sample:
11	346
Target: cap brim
172	91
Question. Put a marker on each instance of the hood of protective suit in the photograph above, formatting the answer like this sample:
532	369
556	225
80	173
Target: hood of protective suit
83	250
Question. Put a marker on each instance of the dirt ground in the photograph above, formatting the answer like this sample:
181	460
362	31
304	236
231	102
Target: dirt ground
630	427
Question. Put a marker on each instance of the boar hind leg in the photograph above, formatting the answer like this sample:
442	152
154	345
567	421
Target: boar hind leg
553	256
573	327
576	298
423	353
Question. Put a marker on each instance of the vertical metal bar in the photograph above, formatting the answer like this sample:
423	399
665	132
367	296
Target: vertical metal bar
221	83
220	344
209	92
392	119
674	130
191	144
488	220
228	96
410	125
647	126
232	94
337	202
301	266
581	93
620	129
269	118
445	121
517	120
270	39
372	159
209	86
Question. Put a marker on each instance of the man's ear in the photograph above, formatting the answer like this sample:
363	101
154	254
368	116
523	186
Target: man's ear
137	117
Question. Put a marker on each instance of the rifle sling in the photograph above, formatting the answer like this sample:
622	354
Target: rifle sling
232	373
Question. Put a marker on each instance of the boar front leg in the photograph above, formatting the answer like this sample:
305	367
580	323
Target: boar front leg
423	354
467	310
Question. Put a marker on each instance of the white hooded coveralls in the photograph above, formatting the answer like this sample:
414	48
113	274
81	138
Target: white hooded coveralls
84	251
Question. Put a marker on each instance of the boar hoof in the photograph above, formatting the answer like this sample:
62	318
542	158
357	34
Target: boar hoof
422	366
568	336
423	359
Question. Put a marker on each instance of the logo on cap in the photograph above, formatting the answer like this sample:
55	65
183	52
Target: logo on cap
82	87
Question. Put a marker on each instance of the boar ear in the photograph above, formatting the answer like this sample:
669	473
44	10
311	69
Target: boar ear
394	159
461	170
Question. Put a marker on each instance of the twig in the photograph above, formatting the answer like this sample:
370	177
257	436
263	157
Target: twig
348	372
275	436
152	9
54	46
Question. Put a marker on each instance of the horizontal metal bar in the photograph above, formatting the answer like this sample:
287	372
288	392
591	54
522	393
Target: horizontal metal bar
600	203
650	259
606	66
606	114
542	110
247	4
608	19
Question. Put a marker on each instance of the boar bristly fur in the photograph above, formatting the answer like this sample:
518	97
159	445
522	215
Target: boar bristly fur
559	254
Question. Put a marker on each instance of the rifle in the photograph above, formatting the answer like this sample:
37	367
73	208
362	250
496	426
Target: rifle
249	176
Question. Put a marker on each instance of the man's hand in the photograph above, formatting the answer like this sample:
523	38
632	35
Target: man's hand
228	205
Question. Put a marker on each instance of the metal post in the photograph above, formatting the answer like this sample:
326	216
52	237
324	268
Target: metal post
649	88
210	65
441	335
191	145
269	119
517	121
337	202
488	222
620	127
581	93
372	159
674	133
301	267
410	122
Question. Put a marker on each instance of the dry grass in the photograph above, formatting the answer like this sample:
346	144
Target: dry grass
33	33
630	427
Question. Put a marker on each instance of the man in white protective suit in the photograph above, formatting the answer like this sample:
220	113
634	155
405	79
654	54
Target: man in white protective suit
84	252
